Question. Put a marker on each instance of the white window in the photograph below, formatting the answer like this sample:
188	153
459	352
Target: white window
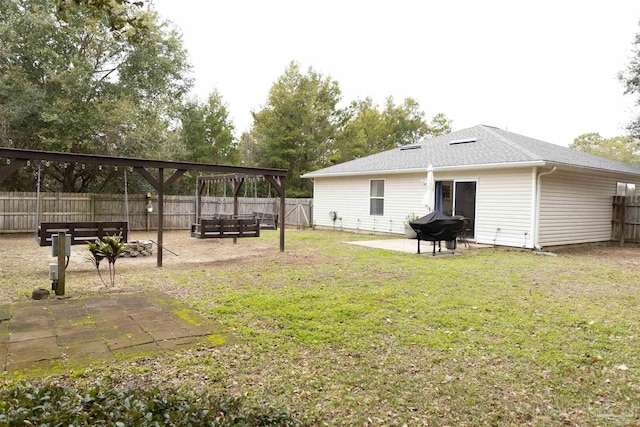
631	190
625	189
376	197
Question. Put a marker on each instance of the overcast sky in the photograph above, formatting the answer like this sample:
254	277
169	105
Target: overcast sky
544	69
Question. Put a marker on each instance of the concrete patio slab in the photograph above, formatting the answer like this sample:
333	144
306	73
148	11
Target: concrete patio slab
70	313
5	313
175	344
4	332
21	336
30	324
163	331
90	348
410	246
75	330
28	352
64	327
77	338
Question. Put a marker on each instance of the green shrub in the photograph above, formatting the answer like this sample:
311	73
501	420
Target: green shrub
47	404
110	248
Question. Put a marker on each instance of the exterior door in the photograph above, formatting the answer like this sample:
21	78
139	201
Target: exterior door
465	203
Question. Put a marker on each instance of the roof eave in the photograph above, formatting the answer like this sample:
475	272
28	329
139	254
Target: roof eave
439	169
579	167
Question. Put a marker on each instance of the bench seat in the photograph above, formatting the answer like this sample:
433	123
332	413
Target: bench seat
268	221
225	228
82	232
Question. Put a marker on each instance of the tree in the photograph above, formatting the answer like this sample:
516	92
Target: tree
362	133
206	136
120	14
248	150
624	149
76	86
296	127
367	130
207	132
440	125
405	122
631	79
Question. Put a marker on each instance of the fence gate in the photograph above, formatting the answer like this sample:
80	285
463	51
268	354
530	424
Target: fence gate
625	219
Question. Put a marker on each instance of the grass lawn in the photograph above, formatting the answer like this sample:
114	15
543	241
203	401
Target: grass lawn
347	335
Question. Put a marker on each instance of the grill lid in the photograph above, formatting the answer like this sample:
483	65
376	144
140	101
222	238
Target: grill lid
437	226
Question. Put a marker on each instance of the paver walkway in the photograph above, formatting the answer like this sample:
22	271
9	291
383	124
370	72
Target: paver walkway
97	328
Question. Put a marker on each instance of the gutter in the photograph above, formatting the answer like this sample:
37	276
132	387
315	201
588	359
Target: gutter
536	245
422	169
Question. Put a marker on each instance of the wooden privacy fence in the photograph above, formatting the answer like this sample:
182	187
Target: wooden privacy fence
625	219
18	209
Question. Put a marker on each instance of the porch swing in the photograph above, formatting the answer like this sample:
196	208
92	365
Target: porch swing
222	225
268	220
83	231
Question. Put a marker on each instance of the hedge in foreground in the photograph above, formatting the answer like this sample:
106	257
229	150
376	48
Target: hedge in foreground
24	403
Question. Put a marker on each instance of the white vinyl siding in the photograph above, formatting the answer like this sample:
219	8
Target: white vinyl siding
505	203
503	200
575	207
349	197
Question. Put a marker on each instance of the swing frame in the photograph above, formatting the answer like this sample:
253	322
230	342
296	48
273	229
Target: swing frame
18	158
233	225
268	220
81	232
265	220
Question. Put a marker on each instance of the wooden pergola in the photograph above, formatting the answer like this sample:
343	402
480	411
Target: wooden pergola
19	158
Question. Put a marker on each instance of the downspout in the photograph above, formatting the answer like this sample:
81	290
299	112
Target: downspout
537	208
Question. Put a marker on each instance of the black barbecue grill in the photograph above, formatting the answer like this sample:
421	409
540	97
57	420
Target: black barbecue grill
436	227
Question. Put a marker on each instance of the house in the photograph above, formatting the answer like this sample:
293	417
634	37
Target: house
517	191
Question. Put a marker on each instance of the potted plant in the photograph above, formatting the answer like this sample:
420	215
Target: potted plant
410	232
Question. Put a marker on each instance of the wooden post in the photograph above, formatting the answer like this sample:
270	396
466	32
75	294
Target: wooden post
40	208
235	186
200	189
623	218
160	214
92	208
282	214
159	185
147	206
62	251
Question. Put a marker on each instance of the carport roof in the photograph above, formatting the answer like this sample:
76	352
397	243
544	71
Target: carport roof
475	147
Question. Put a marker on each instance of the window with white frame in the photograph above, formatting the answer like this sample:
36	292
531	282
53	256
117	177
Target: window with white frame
625	189
376	197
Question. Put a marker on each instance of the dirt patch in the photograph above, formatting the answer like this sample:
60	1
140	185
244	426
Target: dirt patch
24	264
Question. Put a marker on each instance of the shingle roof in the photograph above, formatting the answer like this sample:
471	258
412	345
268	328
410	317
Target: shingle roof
492	147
